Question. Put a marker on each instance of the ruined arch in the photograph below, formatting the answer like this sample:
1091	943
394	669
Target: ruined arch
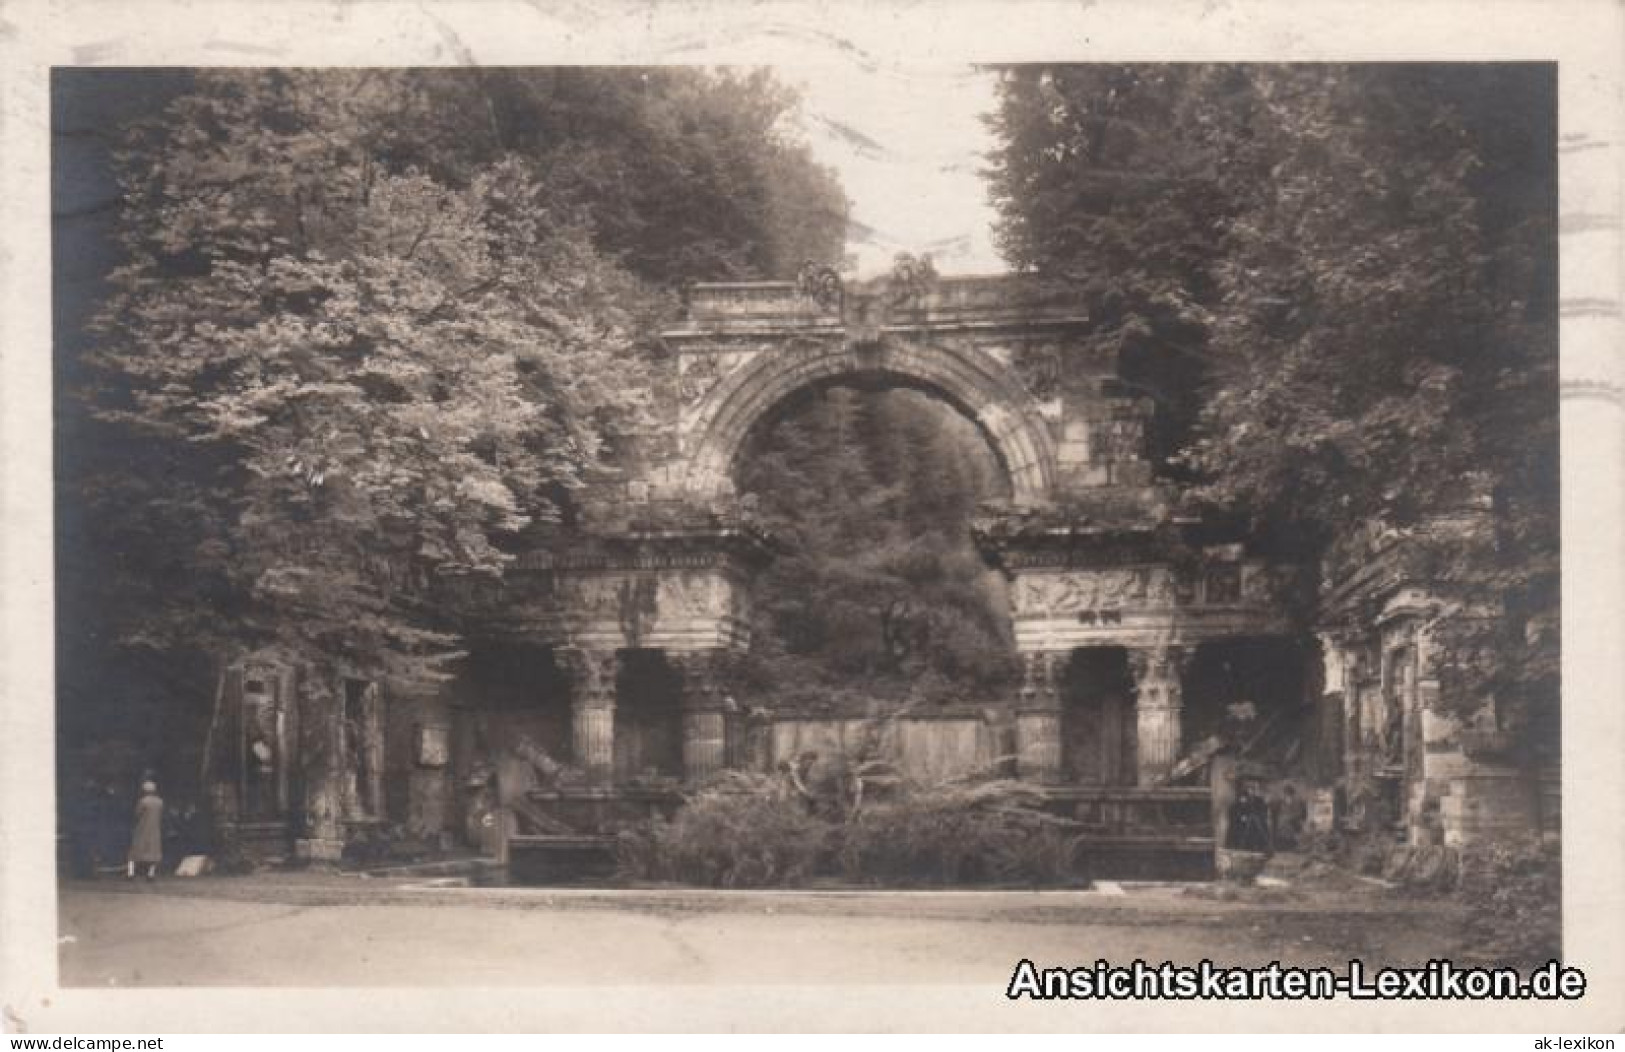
969	380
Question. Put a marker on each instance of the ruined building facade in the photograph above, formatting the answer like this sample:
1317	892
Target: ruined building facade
1139	631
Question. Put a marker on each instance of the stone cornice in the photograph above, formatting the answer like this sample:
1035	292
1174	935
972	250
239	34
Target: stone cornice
965	303
1083	547
1013	325
1382	573
656	550
1382	570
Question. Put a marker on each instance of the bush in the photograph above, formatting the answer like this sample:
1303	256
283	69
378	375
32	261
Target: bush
745	832
960	833
752	831
1514	894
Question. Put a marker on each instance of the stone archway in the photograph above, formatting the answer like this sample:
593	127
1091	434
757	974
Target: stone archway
666	552
972	381
1093	550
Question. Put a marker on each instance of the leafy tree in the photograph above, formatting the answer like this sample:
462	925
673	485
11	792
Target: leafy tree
687	175
371	326
1107	185
881	595
365	374
1351	268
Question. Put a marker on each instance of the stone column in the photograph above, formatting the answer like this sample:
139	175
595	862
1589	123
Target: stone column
1159	697
592	710
322	744
1038	718
1357	676
1337	698
705	725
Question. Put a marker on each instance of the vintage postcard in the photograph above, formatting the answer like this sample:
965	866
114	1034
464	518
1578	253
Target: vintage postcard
811	517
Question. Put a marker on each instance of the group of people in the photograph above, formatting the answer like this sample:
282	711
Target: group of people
104	830
1266	825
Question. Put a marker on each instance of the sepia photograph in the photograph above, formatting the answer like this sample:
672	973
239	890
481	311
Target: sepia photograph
1070	529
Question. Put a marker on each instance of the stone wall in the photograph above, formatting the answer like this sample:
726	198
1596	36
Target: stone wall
925	750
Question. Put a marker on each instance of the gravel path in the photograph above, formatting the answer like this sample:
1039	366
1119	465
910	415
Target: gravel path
300	930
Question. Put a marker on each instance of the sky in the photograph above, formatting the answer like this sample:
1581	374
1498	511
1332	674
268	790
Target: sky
909	145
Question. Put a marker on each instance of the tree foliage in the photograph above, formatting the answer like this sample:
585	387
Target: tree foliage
371	325
1343	278
881	594
687	175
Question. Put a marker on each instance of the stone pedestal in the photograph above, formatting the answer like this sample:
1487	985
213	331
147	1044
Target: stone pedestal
1488	803
319	849
592	710
1158	702
705	724
1038	719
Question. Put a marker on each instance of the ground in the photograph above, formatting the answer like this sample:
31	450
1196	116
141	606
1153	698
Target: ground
314	929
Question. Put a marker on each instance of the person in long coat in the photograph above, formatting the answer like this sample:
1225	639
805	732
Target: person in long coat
147	841
1249	820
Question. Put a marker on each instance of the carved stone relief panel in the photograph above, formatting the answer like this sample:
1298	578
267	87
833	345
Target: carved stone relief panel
697	374
1041	368
590	595
1257	583
628	601
691	596
1118	440
699	370
1266	585
640	604
1222	584
1102	597
1072	592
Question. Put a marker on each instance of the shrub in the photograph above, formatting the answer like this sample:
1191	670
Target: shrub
753	831
1514	893
957	833
744	832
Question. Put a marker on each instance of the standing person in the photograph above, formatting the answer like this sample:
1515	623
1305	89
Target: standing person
1290	815
1249	820
147	841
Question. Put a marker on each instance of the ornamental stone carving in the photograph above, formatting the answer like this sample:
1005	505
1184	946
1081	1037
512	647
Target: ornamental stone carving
1076	591
695	595
1040	368
1040	679
1038	717
697	374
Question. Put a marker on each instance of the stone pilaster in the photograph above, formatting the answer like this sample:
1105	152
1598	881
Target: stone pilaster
1336	664
323	747
592	710
1358	683
705	723
1158	701
1038	718
1338	705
